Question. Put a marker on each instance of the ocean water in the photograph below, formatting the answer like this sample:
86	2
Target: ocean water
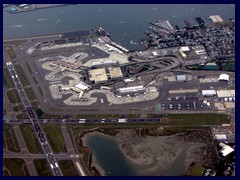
125	22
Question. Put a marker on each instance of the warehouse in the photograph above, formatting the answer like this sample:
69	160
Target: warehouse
226	149
181	78
209	92
223	77
226	93
98	75
82	86
115	73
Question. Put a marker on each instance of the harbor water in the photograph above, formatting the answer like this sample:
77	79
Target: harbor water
108	155
126	22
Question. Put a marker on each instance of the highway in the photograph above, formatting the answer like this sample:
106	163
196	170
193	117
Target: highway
33	118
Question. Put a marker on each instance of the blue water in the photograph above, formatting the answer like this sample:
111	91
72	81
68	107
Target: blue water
109	156
124	22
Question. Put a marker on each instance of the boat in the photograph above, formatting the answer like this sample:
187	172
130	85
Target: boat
17	26
132	42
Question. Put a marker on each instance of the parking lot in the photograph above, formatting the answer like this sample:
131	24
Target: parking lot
185	102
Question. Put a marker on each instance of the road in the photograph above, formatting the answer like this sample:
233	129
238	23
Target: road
70	149
24	149
33	117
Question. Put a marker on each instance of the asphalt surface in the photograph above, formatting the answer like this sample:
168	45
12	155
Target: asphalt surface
51	106
33	117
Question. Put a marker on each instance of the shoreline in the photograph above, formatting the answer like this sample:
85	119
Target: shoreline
36	8
154	164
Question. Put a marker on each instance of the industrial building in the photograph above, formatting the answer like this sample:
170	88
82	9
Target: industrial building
98	75
181	78
82	86
223	77
115	73
101	63
184	50
226	149
211	66
132	89
220	136
226	93
209	92
216	18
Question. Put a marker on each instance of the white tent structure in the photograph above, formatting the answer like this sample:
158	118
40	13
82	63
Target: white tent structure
223	77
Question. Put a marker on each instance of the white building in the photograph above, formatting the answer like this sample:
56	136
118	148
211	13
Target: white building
208	92
132	89
225	149
223	77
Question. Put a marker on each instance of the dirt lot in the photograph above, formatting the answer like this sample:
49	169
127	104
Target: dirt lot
166	153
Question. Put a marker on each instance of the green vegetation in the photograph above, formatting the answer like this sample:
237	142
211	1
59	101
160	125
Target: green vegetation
49	116
133	115
6	172
7	80
15	42
159	106
29	68
42	167
22	115
39	112
18	108
30	94
55	137
41	91
21	75
30	139
34	104
85	155
68	168
9	139
11	52
197	119
35	80
195	171
16	167
13	96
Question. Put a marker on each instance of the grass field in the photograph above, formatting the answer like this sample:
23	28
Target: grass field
197	119
22	115
30	139
68	168
29	68
55	137
10	52
13	96
15	42
195	171
35	80
30	94
9	139
41	91
21	75
103	116
42	167
7	79
16	167
18	108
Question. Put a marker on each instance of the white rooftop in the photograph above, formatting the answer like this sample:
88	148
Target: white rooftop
224	77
